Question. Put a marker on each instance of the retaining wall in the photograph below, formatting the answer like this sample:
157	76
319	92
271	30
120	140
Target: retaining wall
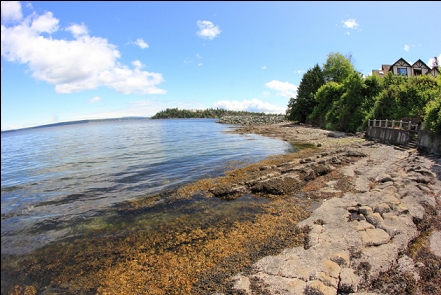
393	136
429	141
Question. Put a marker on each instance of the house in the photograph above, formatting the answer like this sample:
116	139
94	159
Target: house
402	67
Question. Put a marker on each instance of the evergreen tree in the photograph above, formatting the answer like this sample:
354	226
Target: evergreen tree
300	107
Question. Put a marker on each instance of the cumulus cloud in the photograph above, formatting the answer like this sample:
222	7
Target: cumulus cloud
11	11
137	64
78	30
84	63
141	43
350	23
264	68
207	29
406	47
95	99
284	88
431	61
253	105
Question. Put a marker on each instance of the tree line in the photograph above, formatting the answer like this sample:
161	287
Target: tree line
337	97
173	113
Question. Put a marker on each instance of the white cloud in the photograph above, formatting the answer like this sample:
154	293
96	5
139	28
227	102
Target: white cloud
200	64
253	105
84	63
11	11
285	88
187	61
137	64
350	23
207	29
95	99
141	43
431	60
78	30
406	47
266	93
264	68
45	23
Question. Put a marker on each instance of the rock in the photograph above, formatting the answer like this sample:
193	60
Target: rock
252	120
331	268
365	210
228	192
375	219
363	225
381	208
318	288
374	237
383	178
241	283
435	243
281	285
325	279
341	258
348	281
405	264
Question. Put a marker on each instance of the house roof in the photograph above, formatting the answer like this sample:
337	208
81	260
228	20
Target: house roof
420	62
434	70
385	67
400	62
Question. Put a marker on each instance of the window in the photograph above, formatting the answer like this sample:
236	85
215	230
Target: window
402	71
417	72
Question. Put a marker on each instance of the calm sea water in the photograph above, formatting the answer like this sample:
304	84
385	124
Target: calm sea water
64	174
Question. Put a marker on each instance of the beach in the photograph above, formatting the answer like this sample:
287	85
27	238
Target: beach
338	215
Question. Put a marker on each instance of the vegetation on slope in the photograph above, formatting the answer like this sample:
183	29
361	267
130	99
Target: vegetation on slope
338	97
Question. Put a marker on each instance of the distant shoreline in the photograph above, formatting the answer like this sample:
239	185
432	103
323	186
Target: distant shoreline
76	122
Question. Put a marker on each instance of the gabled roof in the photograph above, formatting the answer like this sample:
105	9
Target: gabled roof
385	67
400	62
421	63
434	70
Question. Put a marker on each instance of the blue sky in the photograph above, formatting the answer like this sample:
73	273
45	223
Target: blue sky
64	61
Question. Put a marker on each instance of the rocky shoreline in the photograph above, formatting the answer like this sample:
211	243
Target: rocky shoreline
383	237
342	216
252	120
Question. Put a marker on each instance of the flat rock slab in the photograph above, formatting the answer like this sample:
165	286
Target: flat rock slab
374	237
435	243
355	238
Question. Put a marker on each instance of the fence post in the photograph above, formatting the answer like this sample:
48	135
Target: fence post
375	121
386	124
401	124
410	124
369	123
393	124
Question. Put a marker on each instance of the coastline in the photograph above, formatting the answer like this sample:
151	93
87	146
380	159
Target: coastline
251	231
379	238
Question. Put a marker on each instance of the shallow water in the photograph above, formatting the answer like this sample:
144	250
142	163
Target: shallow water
58	181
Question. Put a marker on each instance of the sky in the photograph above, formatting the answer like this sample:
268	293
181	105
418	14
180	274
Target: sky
67	60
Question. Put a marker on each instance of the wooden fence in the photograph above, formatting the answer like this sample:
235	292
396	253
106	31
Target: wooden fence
399	125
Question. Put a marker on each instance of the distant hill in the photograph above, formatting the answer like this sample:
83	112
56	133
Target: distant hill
78	122
176	113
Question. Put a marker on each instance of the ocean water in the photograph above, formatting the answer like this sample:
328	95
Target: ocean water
55	176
